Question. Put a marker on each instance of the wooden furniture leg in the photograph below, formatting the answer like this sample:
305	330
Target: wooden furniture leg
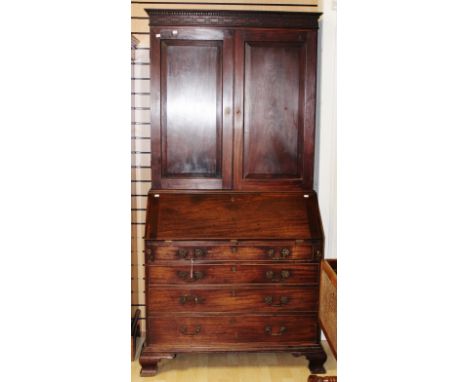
316	357
316	361
149	362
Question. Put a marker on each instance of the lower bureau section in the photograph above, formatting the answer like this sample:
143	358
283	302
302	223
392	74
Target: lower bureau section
221	331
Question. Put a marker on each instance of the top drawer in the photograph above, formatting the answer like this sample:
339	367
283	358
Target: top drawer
238	251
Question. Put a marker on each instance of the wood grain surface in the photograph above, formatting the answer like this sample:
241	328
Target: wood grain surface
191	89
233	273
191	132
213	251
233	216
216	332
233	299
274	124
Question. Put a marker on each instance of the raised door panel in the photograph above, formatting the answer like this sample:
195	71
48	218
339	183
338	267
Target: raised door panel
191	128
272	109
192	76
275	107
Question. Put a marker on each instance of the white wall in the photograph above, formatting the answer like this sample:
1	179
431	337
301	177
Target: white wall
325	165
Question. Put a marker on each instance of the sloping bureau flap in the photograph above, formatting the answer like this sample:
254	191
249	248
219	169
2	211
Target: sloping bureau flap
229	216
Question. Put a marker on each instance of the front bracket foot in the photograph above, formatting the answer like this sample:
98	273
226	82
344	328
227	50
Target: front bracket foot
316	359
149	362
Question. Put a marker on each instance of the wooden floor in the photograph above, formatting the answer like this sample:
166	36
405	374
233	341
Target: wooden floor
235	367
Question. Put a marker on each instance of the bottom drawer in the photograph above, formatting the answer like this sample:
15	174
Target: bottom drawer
209	330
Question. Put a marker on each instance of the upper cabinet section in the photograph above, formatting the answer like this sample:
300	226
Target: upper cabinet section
232	100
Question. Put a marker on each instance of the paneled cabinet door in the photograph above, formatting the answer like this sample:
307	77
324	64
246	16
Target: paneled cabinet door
274	109
191	108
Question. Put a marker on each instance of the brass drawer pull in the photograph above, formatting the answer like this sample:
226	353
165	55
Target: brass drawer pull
150	254
317	256
284	274
190	298
269	330
199	252
184	275
182	253
284	253
183	330
284	300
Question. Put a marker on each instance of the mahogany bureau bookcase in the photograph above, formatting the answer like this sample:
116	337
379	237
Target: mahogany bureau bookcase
233	238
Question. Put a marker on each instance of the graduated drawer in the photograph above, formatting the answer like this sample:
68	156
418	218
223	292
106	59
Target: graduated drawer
239	251
232	299
215	330
233	273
